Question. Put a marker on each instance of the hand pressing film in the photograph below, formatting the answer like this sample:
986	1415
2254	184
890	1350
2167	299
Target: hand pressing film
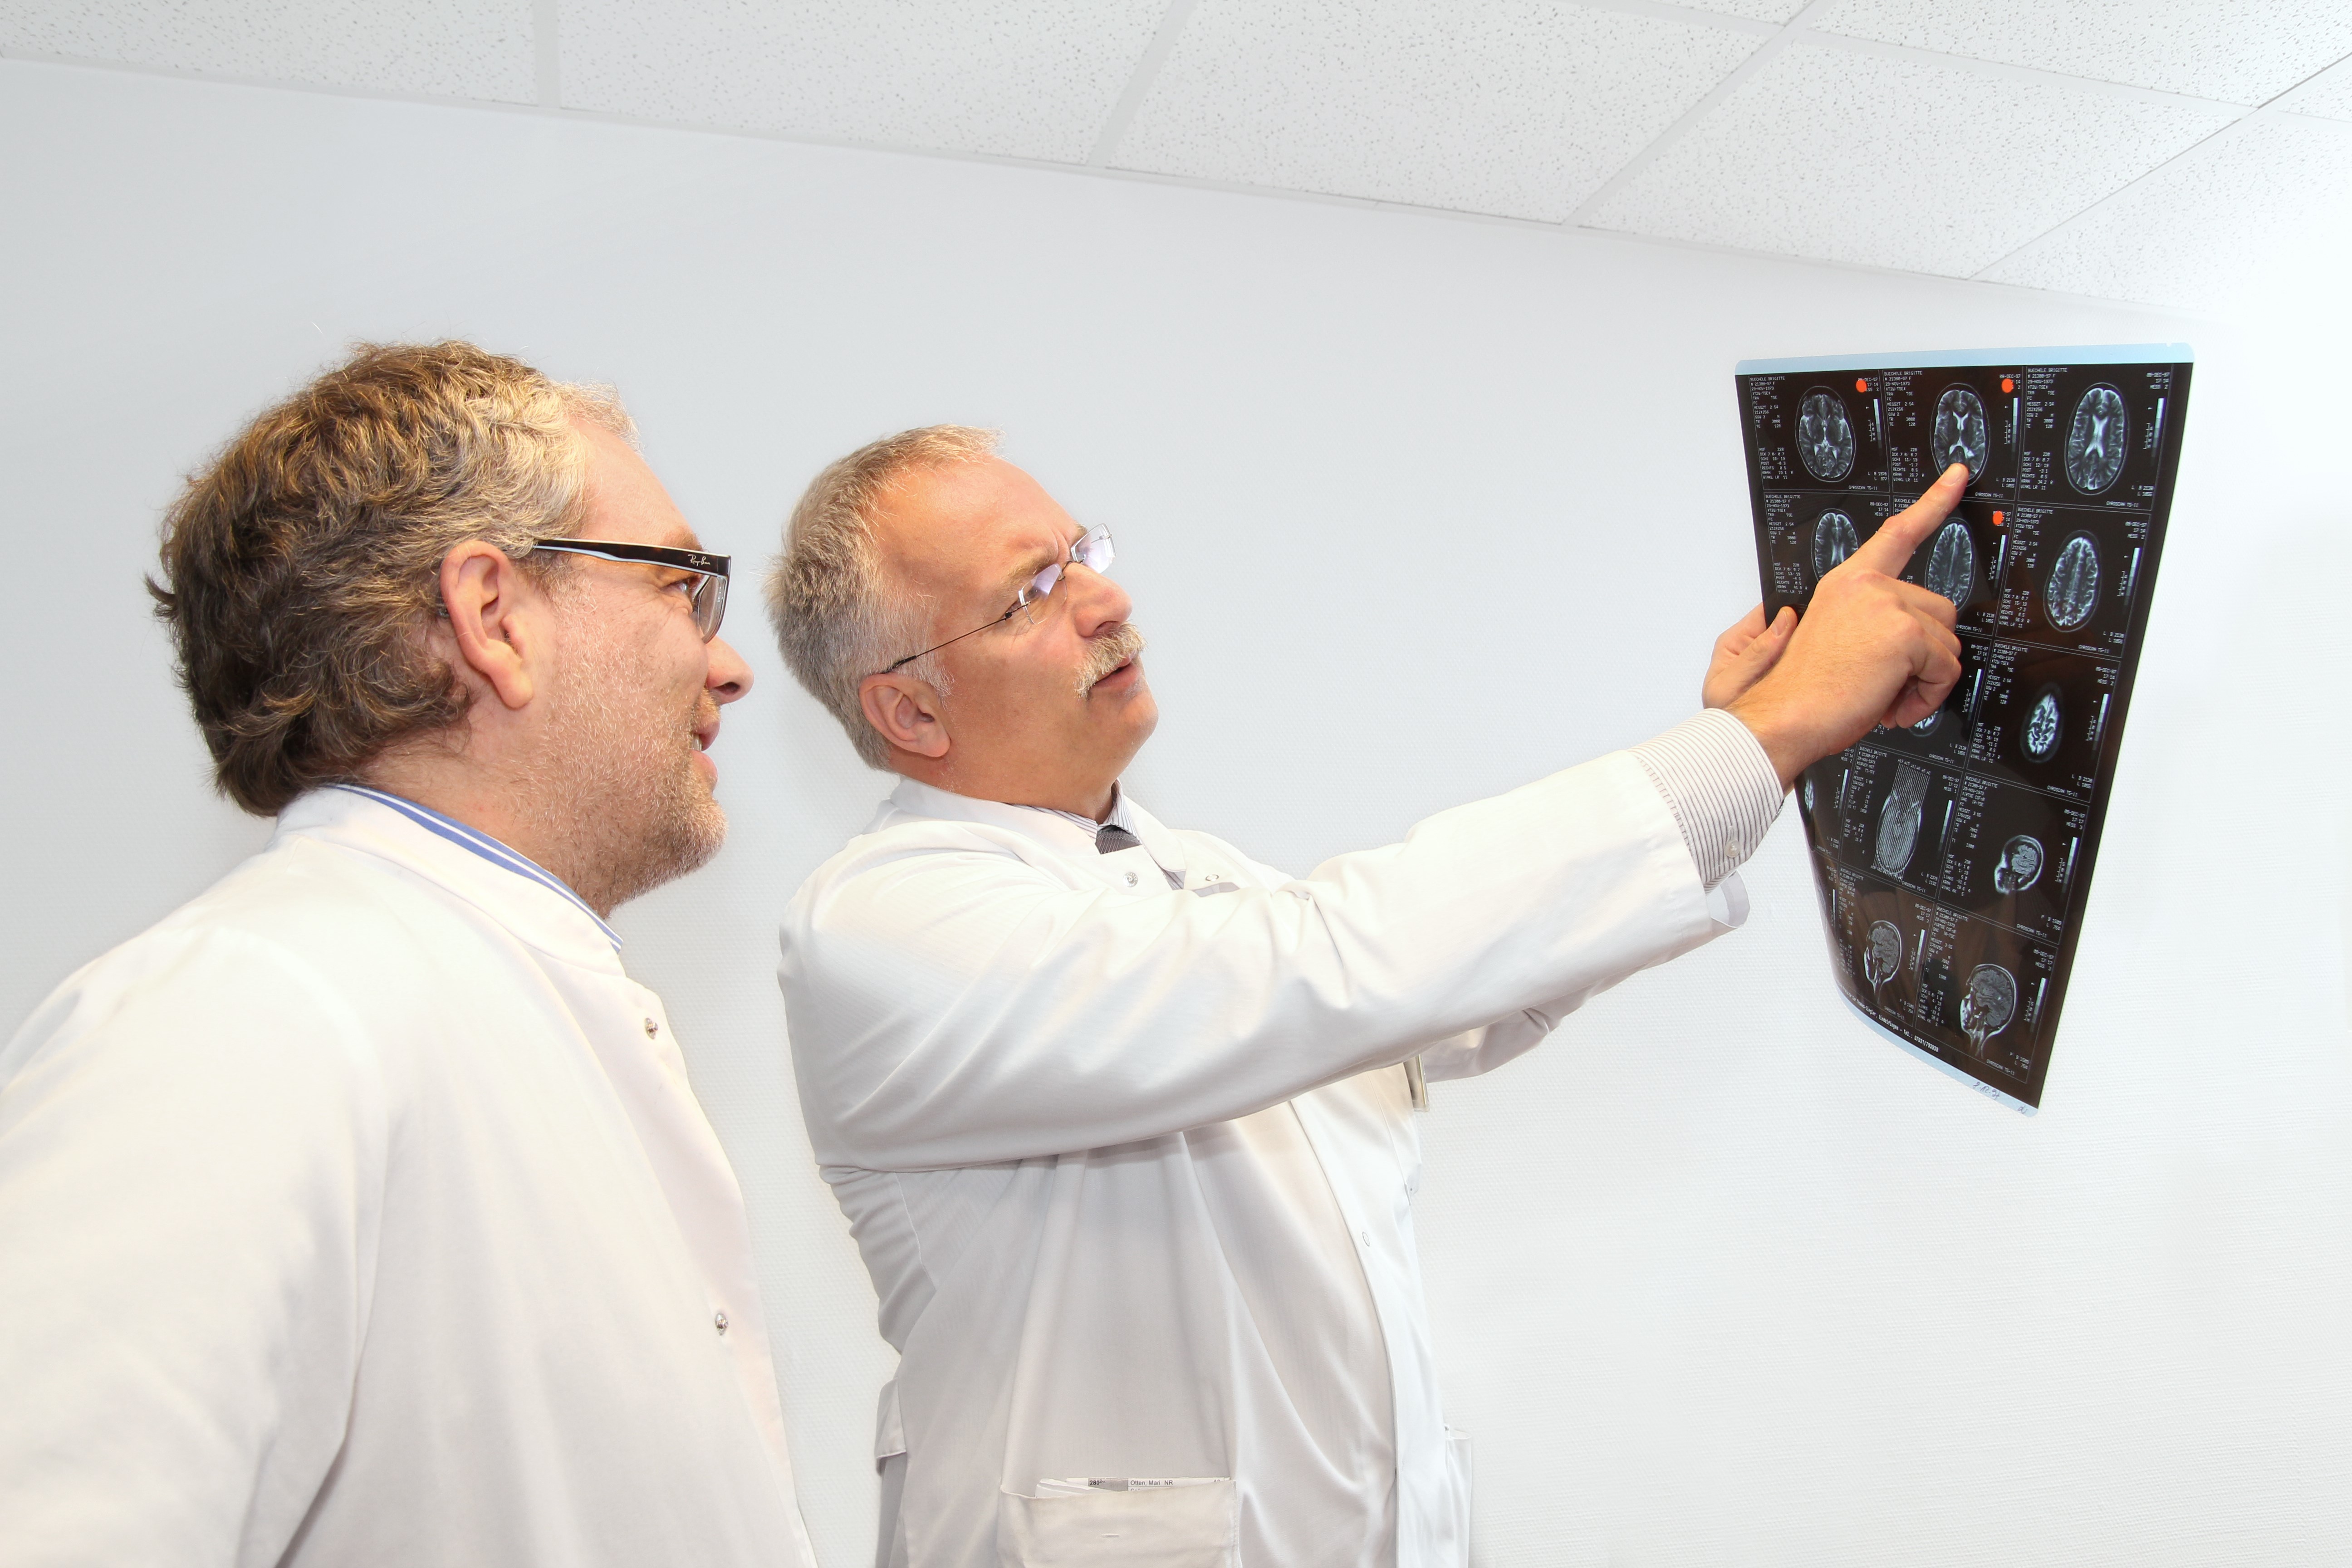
1872	650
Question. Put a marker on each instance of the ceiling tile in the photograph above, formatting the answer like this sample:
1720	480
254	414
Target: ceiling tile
2331	95
1520	108
1754	10
460	48
2209	229
1030	78
1842	156
2243	51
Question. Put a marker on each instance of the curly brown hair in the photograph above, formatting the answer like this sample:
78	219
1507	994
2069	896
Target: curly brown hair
300	568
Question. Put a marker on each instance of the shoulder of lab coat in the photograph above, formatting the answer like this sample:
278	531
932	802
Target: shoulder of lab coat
962	990
214	1089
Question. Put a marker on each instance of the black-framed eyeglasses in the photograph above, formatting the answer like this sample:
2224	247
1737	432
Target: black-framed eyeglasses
709	594
1092	550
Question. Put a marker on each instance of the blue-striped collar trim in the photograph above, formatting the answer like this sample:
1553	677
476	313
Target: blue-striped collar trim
488	847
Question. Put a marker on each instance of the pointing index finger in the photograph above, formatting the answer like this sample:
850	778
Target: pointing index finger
1889	550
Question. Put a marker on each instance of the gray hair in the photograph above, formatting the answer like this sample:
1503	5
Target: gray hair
299	566
837	620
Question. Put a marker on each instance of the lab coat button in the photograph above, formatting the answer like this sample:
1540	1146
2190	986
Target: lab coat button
719	1322
1131	878
1365	1237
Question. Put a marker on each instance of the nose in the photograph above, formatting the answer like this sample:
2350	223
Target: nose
1096	603
725	676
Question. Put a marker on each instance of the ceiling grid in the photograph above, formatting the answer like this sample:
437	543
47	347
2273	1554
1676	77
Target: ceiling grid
2145	149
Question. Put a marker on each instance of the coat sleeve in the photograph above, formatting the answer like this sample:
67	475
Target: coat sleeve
192	1141
954	1006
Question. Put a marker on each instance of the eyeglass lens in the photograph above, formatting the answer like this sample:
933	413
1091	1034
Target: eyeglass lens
709	606
1093	550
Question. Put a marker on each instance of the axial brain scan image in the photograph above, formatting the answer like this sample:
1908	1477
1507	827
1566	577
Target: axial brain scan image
1952	562
2072	590
1883	954
1825	436
1988	1004
1961	434
2094	441
2020	866
2039	736
1835	539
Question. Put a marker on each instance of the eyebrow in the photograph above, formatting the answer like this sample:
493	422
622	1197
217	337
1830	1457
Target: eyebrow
1037	563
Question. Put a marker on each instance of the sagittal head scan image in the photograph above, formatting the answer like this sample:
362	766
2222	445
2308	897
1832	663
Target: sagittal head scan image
1825	441
1960	434
2094	440
2039	735
1883	954
1835	539
2070	592
1988	1004
1898	819
1952	562
2020	866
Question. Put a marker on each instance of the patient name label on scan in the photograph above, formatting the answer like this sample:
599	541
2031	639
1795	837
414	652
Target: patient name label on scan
1953	858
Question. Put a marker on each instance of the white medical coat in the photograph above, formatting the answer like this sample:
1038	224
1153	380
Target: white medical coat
1131	1166
361	1212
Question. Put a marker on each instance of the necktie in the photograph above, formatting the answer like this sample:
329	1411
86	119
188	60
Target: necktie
1113	838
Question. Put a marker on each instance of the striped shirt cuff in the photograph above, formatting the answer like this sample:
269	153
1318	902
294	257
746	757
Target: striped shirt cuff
1721	788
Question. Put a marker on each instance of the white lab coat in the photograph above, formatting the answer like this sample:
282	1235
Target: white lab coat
360	1212
1132	1166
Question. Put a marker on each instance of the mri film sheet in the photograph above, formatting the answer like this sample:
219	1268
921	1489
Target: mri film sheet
1953	858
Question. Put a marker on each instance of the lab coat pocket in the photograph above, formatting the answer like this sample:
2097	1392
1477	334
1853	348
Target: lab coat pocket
1192	1524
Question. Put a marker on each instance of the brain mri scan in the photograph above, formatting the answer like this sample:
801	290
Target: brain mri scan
2094	440
1988	1004
1952	854
2072	590
1952	562
2020	866
1898	819
1835	539
2042	721
1961	434
1883	954
1825	436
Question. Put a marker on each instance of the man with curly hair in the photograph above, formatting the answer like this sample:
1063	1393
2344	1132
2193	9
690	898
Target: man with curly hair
360	1210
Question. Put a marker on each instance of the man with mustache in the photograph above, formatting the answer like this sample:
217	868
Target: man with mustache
1120	1118
361	1210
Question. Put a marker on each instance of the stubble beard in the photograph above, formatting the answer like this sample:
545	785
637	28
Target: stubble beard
619	785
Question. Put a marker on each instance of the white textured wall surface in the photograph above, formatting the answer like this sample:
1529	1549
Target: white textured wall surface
1414	509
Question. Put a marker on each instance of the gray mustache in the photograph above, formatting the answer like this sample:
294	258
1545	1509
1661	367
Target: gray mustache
1107	653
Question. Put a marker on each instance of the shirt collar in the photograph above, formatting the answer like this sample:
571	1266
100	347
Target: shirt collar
511	887
1064	830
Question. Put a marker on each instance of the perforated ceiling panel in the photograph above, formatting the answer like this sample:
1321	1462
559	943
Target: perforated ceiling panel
1515	107
2232	217
1029	79
1896	162
455	48
2243	52
1915	135
2330	95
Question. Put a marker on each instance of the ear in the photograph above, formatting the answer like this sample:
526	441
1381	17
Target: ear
484	593
905	712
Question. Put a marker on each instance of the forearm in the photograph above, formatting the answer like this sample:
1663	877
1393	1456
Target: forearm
938	1024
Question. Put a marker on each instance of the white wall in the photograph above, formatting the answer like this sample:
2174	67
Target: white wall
1414	510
